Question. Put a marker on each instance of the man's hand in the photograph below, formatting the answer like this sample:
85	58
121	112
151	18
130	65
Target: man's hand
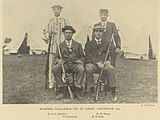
100	65
117	50
107	64
60	61
79	62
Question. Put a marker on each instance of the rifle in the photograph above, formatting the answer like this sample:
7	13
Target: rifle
100	74
47	63
65	78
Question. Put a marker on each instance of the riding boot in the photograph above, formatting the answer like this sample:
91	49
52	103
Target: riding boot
113	94
61	93
78	93
92	91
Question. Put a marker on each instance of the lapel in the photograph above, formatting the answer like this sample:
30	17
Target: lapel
73	44
95	44
99	48
104	45
66	47
108	26
64	44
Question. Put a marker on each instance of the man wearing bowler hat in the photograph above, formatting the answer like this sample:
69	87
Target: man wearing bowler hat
72	59
55	26
109	30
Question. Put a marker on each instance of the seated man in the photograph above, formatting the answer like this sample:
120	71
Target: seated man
95	54
72	58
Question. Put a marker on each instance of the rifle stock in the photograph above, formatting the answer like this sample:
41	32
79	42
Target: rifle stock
70	91
65	77
100	74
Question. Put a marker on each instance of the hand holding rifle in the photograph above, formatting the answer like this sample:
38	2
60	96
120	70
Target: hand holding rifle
100	65
60	61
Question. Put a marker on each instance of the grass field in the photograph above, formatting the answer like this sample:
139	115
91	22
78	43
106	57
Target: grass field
23	82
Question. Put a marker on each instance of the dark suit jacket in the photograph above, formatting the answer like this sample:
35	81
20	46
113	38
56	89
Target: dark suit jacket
109	30
70	56
95	52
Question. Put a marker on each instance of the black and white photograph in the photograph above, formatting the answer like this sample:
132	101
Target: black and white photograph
63	52
83	52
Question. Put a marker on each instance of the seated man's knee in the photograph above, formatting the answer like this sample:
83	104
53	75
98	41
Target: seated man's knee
89	68
80	68
56	68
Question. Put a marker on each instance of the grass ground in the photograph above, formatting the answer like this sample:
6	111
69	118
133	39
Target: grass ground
23	82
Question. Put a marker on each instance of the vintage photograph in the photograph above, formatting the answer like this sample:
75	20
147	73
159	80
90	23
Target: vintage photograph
80	51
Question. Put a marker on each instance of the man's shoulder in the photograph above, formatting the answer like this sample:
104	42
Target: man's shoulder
110	23
54	18
62	43
76	42
90	42
62	18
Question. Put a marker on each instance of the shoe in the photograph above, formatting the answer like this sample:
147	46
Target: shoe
114	98
79	97
50	85
60	96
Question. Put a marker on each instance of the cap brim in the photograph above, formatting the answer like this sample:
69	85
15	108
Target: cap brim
64	29
56	7
98	28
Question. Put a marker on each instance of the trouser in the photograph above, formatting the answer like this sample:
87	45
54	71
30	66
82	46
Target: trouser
51	64
78	69
108	74
113	60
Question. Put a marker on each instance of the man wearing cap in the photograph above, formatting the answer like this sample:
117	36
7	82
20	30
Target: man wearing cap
109	29
73	60
55	26
95	54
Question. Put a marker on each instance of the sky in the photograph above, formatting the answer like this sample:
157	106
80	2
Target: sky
136	19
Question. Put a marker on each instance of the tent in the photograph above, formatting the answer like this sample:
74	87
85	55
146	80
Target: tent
26	46
84	35
146	51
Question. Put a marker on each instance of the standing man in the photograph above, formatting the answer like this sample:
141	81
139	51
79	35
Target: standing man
96	50
109	29
55	26
73	59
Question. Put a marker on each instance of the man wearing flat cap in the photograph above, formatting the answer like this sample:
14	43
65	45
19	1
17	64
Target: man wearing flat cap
109	29
96	50
72	59
55	26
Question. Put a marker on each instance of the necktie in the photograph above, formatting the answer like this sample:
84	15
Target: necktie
103	24
57	20
69	44
98	42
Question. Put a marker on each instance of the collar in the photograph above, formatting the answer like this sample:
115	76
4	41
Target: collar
57	17
68	41
104	23
97	40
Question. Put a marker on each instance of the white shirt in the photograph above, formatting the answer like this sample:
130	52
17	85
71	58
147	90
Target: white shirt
69	43
99	41
104	24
